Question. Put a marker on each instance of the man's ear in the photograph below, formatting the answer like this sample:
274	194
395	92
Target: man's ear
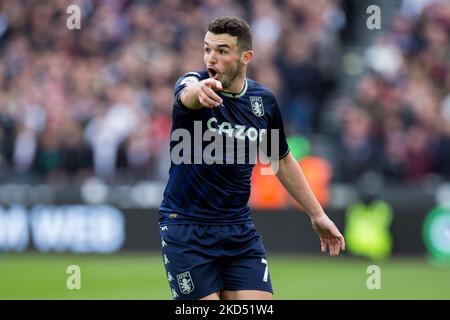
247	57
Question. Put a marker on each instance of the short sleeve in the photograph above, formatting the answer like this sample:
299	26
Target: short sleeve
276	144
181	83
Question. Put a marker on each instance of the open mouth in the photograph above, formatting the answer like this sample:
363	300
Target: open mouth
212	73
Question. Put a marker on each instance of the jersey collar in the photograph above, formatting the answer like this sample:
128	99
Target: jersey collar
236	95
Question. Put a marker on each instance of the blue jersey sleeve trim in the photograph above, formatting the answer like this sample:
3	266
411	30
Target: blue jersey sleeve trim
285	155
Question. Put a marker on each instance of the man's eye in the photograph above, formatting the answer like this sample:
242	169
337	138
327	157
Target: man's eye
223	51
207	50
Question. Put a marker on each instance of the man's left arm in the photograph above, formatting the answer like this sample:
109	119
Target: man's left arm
291	176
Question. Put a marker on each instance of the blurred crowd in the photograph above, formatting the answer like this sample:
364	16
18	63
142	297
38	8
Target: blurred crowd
397	123
97	101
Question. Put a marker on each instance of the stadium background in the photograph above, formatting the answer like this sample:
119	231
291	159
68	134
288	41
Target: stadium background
84	127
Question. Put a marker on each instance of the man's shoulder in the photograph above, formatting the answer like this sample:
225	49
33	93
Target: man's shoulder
257	89
192	76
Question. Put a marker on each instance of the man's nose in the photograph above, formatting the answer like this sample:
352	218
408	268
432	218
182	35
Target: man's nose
212	59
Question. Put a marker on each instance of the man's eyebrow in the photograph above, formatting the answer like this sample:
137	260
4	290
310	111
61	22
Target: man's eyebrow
219	46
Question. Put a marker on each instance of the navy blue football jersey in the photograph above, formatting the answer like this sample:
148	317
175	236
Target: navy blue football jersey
213	152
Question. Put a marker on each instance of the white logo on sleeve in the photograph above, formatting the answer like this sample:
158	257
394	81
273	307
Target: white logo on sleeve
185	282
166	261
188	80
175	294
257	106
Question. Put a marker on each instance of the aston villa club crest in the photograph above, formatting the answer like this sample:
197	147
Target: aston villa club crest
185	282
257	106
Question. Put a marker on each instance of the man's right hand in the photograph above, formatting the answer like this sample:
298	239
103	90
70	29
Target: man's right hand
207	95
199	94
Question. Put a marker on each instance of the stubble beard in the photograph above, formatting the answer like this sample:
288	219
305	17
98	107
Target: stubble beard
231	76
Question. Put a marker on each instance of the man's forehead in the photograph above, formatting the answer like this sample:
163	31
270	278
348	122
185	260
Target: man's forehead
220	39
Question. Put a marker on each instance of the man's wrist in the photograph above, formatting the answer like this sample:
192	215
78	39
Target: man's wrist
316	214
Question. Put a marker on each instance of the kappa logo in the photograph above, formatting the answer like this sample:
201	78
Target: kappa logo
190	77
188	80
257	106
185	282
166	260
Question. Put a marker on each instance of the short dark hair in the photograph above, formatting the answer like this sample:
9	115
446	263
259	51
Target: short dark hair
235	27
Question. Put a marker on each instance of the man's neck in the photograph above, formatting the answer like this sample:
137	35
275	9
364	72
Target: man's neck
237	86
